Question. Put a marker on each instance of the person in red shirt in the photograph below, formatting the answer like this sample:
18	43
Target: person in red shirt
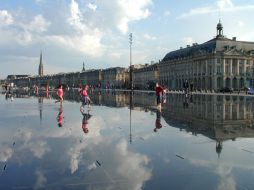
85	98
60	93
159	94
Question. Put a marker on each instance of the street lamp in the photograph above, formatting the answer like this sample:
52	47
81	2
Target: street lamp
131	82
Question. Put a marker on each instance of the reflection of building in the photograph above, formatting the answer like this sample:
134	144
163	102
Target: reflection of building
217	117
219	62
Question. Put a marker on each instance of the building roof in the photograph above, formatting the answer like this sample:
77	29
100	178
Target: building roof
218	44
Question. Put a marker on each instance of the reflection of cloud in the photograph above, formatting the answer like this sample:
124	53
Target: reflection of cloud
39	148
132	166
224	171
227	181
23	136
5	153
40	180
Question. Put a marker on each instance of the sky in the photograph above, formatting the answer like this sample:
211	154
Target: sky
96	32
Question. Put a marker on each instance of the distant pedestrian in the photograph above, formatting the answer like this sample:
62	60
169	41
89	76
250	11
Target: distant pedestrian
159	95
60	93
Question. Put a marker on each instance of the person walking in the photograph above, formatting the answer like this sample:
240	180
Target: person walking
85	98
60	94
159	94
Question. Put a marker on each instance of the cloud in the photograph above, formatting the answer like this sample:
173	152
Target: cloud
223	4
167	13
92	6
219	6
132	11
188	40
5	18
149	37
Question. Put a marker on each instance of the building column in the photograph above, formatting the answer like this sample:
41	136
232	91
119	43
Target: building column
223	73
230	67
214	76
237	67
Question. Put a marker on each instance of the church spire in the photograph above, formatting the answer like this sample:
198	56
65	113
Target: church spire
40	72
83	70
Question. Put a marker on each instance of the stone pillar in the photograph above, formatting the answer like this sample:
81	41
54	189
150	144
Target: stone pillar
230	67
214	78
223	72
237	67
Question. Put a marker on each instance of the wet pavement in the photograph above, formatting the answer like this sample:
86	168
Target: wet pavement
123	142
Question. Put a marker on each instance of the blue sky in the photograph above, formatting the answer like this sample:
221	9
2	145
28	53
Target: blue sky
69	32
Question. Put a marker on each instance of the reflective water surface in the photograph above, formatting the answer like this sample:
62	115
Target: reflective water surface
123	142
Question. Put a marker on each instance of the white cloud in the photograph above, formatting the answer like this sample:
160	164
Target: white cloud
219	6
222	4
38	24
188	40
167	13
87	39
149	37
5	18
130	10
92	6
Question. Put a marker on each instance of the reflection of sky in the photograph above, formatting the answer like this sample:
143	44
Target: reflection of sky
41	155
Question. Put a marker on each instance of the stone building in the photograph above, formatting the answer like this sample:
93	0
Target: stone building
145	77
91	77
114	77
217	63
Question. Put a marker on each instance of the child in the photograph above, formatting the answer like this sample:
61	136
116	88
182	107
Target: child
85	98
60	93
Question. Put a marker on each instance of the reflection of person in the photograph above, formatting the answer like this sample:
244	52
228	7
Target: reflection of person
60	93
185	102
186	86
159	94
60	117
157	121
86	117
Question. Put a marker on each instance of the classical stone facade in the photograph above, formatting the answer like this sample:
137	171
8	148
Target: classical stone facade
145	77
217	63
114	77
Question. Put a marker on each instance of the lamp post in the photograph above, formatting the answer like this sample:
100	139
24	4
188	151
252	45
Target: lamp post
131	82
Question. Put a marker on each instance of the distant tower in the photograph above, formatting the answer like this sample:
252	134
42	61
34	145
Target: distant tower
83	70
219	30
40	72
